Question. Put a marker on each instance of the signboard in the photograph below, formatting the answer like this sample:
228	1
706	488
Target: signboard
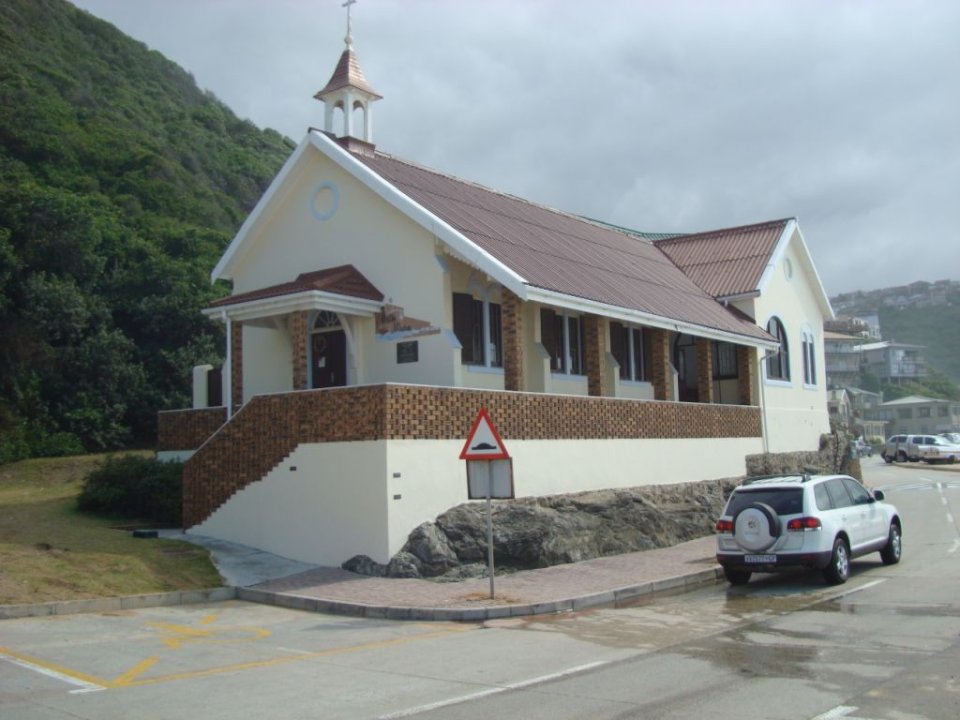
483	442
490	478
408	352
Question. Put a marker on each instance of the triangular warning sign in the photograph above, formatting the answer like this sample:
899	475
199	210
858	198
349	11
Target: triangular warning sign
483	442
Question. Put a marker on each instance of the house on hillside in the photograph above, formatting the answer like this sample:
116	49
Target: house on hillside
843	358
916	414
894	362
377	305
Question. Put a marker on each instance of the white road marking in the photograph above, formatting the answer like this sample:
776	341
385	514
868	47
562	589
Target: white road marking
492	691
83	685
840	711
956	546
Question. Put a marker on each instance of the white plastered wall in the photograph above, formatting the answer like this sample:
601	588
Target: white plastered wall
267	361
331	507
390	250
353	498
796	414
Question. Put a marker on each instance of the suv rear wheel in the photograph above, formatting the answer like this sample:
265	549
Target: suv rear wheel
837	572
892	550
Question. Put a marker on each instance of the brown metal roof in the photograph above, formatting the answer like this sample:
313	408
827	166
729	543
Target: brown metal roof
347	73
560	252
725	262
341	280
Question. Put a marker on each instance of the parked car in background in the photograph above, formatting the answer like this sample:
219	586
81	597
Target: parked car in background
915	443
903	448
862	448
940	450
814	521
894	449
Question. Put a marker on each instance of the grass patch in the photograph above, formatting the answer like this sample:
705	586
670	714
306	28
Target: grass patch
51	551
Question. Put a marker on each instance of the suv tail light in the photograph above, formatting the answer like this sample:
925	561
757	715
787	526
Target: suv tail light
803	524
725	526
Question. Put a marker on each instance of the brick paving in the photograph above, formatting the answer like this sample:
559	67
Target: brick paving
562	587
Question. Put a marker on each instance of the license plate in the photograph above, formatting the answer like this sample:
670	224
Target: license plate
760	558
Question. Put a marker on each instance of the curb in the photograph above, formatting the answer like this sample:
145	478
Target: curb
938	467
113	604
354	609
478	614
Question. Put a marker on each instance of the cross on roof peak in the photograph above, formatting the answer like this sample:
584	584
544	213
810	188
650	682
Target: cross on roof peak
349	38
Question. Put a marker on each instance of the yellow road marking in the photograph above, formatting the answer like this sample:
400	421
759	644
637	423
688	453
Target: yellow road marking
180	634
137	670
272	662
55	669
130	677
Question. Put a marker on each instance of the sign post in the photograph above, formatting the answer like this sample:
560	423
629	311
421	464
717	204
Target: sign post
489	473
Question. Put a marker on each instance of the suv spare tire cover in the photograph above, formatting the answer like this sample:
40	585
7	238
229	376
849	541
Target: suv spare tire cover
756	527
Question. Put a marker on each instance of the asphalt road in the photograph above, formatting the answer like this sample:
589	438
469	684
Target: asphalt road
885	646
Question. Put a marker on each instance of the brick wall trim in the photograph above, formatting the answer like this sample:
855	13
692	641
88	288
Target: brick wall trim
270	427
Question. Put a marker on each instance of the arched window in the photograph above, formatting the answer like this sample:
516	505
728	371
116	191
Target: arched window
778	364
809	359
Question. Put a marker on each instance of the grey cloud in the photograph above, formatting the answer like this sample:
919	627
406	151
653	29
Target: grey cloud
659	115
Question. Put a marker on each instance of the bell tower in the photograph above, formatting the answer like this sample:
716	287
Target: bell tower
349	91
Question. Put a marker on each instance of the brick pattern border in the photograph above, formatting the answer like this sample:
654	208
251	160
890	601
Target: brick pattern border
187	429
270	427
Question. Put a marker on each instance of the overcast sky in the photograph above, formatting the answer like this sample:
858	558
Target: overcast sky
663	116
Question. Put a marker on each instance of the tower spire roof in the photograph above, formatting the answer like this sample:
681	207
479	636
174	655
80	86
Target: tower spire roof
348	72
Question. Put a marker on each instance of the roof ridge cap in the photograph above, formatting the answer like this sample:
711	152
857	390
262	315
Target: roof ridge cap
717	231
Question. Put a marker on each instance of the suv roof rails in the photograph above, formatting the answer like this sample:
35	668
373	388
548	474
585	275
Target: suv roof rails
804	477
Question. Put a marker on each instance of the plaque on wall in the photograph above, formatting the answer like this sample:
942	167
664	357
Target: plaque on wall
408	352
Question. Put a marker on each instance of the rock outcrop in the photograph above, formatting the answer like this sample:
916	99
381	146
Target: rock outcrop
555	529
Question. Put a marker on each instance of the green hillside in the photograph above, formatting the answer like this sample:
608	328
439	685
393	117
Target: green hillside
937	327
120	184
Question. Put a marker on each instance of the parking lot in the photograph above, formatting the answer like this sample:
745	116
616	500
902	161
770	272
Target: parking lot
129	663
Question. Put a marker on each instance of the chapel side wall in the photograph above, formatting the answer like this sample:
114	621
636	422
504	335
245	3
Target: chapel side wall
796	413
394	253
317	453
427	478
323	504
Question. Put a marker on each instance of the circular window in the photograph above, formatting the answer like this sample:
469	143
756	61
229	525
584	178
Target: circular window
325	201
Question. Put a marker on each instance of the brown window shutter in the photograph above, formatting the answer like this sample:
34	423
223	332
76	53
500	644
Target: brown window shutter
463	324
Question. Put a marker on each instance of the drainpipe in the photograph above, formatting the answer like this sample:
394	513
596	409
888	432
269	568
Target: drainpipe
226	375
763	401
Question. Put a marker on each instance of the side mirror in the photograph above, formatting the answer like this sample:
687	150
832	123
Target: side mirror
878	495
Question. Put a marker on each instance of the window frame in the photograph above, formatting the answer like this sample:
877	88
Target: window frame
562	360
634	351
808	347
777	365
718	361
485	334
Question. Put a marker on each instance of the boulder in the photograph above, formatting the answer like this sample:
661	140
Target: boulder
550	530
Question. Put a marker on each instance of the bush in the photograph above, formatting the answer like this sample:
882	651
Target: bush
135	487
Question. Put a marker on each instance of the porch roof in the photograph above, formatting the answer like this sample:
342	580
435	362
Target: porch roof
342	288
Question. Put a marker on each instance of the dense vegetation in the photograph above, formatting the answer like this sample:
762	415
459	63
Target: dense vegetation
120	184
937	327
134	487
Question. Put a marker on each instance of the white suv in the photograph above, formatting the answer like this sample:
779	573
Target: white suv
815	521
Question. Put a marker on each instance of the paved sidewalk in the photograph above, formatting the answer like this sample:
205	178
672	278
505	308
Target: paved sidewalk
601	581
